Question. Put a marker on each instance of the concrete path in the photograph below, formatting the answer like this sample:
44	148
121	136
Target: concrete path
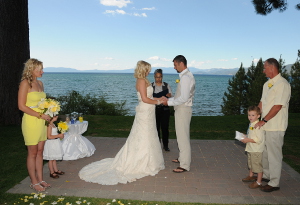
215	177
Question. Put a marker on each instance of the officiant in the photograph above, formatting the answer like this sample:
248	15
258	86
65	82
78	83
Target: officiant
162	112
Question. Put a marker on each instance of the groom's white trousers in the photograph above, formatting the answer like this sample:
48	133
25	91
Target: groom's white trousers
183	115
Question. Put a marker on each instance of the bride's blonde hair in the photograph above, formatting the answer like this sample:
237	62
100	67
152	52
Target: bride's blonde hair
29	67
142	67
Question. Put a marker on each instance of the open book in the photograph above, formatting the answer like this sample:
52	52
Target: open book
239	136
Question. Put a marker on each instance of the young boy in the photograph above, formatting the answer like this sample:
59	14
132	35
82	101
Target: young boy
255	145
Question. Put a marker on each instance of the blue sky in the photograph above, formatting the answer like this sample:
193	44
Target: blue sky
115	34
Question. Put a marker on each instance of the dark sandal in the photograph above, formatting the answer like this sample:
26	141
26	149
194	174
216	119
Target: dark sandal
45	186
180	168
175	161
59	172
54	175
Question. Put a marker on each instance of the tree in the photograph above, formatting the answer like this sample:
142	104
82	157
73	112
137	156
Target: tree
295	88
234	99
14	44
264	7
282	69
255	81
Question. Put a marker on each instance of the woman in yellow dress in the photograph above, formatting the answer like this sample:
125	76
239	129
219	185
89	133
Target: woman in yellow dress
31	91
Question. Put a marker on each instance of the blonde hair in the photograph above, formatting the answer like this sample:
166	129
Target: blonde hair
30	65
142	67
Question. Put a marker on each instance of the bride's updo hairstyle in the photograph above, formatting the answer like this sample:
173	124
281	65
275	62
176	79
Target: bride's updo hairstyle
29	67
142	68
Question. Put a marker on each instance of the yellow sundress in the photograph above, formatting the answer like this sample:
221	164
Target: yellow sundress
34	130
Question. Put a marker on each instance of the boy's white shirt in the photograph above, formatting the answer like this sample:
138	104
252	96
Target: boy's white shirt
258	136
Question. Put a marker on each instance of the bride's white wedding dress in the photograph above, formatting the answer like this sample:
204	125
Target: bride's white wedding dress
140	156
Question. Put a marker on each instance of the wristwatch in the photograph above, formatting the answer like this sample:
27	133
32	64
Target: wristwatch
264	120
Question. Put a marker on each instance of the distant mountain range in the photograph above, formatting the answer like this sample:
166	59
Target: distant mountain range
168	70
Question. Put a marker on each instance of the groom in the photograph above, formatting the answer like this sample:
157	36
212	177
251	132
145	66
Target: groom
182	102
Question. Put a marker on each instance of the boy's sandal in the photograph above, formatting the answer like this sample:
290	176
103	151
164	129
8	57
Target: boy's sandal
59	172
45	184
179	170
175	161
33	186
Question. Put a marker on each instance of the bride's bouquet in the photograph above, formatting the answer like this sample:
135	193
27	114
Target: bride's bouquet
62	127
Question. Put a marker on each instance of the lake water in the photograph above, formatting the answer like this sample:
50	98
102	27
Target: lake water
119	87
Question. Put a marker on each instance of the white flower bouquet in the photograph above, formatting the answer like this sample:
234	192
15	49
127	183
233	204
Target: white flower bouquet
49	106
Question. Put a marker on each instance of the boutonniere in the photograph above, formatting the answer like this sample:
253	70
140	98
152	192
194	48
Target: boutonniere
270	85
177	81
251	128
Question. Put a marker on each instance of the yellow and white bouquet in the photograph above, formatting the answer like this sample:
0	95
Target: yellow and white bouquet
49	106
62	127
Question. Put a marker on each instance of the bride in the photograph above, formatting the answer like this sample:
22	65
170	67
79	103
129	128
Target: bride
141	155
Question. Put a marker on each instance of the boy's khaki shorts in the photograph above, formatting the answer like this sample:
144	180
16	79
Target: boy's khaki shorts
255	161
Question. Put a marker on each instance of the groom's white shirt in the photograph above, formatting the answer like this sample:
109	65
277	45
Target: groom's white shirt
187	83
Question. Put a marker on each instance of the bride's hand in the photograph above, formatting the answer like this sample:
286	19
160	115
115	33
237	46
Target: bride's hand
163	99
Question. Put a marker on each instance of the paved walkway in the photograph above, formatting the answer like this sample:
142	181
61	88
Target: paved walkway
215	177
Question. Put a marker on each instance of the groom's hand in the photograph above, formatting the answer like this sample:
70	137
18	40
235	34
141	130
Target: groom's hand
165	102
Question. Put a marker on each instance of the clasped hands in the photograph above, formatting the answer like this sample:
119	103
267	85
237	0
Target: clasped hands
163	100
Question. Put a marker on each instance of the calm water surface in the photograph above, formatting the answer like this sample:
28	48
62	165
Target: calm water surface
121	87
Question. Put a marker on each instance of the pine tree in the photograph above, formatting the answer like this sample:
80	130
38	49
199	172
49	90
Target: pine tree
282	69
255	81
295	88
234	99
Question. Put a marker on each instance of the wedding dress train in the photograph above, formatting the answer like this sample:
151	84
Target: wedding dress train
140	156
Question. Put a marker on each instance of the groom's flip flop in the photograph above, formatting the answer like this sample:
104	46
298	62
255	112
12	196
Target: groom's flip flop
175	161
179	168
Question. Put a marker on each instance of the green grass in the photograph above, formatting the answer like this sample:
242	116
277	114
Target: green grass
13	151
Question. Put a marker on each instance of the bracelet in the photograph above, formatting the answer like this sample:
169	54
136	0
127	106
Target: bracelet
264	120
40	115
158	102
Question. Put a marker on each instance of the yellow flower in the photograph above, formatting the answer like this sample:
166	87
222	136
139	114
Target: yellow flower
60	199
270	85
251	128
177	81
42	195
53	109
62	127
46	104
53	103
